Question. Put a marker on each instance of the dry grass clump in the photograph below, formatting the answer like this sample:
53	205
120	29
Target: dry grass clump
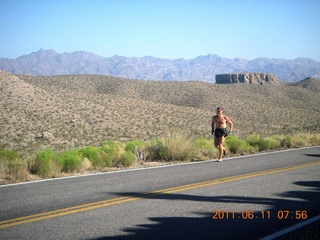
12	167
174	147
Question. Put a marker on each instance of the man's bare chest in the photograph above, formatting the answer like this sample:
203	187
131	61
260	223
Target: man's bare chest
220	119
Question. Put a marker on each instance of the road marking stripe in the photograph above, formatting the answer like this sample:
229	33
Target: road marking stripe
119	200
292	228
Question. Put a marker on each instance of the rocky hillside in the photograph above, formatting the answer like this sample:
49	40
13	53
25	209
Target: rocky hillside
70	111
202	68
249	78
308	83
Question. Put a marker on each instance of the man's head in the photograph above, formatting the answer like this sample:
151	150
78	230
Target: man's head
219	110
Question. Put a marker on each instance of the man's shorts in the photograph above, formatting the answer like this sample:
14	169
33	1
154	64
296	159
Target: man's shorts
220	132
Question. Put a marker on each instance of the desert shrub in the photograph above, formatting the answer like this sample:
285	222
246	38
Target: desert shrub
72	160
297	140
107	159
138	148
113	152
252	139
95	155
300	140
263	145
279	138
85	165
286	142
47	164
18	170
173	147
314	140
127	158
156	150
238	146
3	168
134	144
5	156
8	155
273	143
259	143
205	148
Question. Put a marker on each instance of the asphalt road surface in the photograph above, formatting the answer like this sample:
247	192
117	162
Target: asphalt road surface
245	197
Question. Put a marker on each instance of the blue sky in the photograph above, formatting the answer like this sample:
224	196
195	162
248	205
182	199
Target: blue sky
163	28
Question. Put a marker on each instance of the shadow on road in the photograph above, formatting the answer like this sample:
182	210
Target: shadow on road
204	227
312	155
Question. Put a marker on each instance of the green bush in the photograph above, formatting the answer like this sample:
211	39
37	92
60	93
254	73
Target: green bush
314	140
156	150
205	148
273	143
127	158
252	139
238	146
297	140
95	155
8	155
71	160
47	164
256	141
300	140
12	166
138	148
263	145
137	144
113	152
287	142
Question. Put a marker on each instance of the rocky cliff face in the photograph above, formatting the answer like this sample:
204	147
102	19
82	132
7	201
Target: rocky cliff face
251	78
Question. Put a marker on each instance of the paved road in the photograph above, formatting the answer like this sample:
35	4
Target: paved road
251	197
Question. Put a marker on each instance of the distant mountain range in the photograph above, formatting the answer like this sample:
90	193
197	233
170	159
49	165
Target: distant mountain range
202	68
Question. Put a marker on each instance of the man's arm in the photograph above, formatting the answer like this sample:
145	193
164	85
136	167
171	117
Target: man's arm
230	123
212	125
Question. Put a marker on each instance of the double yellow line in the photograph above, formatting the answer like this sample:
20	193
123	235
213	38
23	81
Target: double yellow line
119	200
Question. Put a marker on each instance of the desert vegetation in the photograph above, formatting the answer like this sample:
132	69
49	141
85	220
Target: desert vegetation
112	155
92	123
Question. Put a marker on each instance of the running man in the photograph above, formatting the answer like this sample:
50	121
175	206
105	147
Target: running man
219	130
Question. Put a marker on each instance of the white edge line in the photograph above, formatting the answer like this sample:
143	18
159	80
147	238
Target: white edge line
148	168
292	228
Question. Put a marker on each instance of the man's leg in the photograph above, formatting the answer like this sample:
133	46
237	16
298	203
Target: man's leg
217	144
222	149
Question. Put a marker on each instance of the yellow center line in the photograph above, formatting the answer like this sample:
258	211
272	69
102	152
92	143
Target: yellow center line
119	200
